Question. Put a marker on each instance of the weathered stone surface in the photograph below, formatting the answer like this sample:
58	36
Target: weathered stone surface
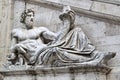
93	28
5	27
114	74
103	41
85	4
2	57
116	2
54	73
113	48
106	8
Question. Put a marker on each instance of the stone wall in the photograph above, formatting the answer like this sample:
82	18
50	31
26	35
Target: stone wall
98	19
5	28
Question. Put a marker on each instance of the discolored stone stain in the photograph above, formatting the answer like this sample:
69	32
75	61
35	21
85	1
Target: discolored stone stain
34	77
43	72
32	73
72	73
53	72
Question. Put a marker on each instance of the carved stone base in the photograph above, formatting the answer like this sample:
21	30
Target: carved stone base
55	73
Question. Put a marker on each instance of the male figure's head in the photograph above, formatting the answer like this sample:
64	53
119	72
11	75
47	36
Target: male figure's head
27	18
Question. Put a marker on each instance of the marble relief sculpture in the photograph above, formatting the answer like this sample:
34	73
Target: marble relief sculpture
39	46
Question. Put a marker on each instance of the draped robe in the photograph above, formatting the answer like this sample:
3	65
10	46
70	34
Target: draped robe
72	48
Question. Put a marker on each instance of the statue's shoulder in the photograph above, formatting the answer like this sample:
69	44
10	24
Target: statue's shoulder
42	29
15	32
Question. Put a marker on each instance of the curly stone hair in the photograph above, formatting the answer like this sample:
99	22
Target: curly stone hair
24	14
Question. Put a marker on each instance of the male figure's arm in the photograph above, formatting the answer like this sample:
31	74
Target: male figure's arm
49	35
14	40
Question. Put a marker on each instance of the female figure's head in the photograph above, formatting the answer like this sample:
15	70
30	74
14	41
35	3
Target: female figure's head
27	18
68	14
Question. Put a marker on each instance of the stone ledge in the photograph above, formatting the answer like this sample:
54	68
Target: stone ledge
55	73
24	70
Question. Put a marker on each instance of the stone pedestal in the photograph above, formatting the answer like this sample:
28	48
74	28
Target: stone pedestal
55	73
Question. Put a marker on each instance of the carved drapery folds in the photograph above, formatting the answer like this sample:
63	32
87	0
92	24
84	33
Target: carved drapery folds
40	46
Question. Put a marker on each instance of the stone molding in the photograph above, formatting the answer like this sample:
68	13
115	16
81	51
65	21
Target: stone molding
116	2
34	70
